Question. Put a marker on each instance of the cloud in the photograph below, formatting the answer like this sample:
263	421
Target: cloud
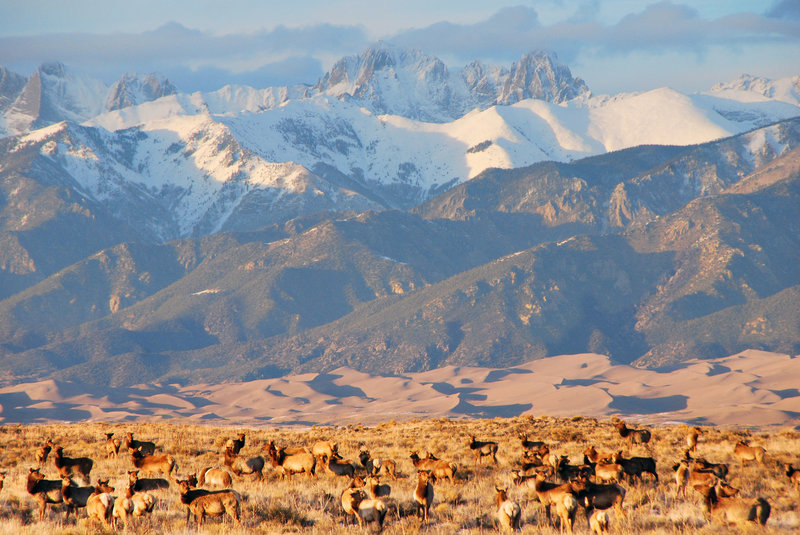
786	10
194	56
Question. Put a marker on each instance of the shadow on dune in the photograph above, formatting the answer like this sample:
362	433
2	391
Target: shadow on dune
17	407
635	405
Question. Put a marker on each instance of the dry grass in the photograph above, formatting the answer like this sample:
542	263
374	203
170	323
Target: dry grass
306	505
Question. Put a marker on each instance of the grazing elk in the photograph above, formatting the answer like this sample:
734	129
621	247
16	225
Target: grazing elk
633	436
68	466
438	468
733	510
100	504
214	477
147	447
325	449
253	465
202	503
482	449
534	446
337	466
508	512
145	484
423	494
235	444
43	490
598	523
43	452
744	452
288	464
112	446
153	464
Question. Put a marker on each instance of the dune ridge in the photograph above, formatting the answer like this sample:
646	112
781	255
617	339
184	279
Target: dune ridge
756	389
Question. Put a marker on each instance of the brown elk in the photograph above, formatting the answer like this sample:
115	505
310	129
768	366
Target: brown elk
685	476
701	465
794	476
438	468
214	477
608	472
733	510
352	496
550	494
534	446
744	452
529	480
100	504
633	436
591	455
481	448
235	444
43	452
74	497
286	464
371	510
68	466
377	466
202	503
598	523
337	466
603	497
147	447
145	484
691	438
43	490
325	449
568	472
566	509
508	512
636	466
153	464
253	465
2	479
423	493
112	446
375	489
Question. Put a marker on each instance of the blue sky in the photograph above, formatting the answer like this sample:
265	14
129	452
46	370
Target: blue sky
615	45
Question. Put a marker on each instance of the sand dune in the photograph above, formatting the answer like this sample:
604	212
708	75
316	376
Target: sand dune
754	388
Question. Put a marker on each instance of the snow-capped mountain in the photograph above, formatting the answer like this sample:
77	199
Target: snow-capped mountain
387	128
746	86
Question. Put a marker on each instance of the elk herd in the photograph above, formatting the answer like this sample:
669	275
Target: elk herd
597	483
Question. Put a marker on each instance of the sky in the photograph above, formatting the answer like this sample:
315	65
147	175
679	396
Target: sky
614	45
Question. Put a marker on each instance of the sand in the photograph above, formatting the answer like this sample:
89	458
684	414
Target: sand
753	389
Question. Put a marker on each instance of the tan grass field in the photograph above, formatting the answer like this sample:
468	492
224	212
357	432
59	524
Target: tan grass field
312	505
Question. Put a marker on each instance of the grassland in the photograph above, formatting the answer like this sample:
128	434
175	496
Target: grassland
307	505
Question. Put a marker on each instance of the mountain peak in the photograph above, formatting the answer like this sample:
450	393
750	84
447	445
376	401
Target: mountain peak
133	89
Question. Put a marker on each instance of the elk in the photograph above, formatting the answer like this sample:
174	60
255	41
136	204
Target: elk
791	472
566	509
214	477
74	497
100	504
337	466
598	522
423	494
254	465
286	464
636	466
325	449
633	436
438	468
235	444
691	438
534	446
508	512
112	446
375	489
701	465
745	452
608	472
68	466
352	496
529	480
685	476
603	497
43	452
567	472
733	510
148	448
122	510
550	494
152	464
145	484
376	466
591	455
483	449
202	503
2	479
43	490
371	510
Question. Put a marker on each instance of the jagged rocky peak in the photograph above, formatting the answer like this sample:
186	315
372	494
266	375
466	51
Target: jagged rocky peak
11	85
540	75
133	89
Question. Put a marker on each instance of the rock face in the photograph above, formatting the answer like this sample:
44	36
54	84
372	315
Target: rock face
132	90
